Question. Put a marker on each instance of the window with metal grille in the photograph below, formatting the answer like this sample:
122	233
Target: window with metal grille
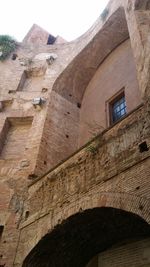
117	108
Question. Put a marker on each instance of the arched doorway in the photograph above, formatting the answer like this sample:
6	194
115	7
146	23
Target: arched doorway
80	237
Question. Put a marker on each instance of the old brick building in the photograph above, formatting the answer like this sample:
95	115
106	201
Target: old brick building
74	145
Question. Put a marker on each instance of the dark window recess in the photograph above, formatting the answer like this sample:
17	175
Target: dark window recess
51	40
1	230
117	108
143	147
27	214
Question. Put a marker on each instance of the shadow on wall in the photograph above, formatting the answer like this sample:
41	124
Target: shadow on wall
79	238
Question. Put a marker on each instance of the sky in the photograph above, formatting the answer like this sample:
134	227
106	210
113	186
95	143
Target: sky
66	18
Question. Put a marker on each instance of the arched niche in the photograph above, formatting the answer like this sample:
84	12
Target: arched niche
72	82
114	77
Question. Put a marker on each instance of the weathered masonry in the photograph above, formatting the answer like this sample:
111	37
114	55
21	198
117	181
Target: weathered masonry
75	145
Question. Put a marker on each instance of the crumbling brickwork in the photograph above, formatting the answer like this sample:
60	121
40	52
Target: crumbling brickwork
62	205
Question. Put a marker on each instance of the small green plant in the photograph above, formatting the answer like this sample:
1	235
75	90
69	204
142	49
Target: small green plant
7	45
30	61
94	129
92	149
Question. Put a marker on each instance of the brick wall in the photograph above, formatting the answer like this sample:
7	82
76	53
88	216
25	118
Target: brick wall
15	136
36	35
109	176
60	135
115	73
133	254
110	171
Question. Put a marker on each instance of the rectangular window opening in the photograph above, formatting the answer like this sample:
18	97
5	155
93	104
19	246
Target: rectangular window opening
117	108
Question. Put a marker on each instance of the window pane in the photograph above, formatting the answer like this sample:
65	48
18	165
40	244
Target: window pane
118	109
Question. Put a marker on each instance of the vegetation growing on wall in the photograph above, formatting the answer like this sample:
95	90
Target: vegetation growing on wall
7	45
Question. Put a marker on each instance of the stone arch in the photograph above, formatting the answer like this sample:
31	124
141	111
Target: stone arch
80	237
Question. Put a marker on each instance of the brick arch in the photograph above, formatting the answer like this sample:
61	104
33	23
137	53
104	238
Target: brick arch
128	203
72	82
80	237
124	201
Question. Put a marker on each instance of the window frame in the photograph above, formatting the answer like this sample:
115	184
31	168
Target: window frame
110	104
